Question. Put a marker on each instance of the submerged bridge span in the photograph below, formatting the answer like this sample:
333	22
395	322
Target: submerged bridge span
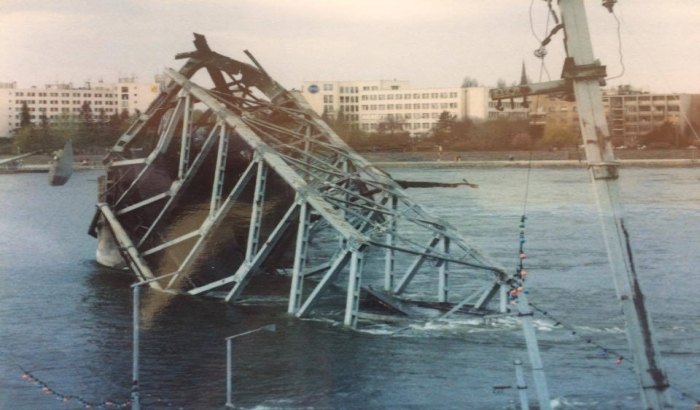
243	176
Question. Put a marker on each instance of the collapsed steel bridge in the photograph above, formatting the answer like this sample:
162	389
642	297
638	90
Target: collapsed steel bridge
243	176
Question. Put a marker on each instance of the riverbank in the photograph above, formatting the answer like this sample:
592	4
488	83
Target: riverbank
477	159
449	159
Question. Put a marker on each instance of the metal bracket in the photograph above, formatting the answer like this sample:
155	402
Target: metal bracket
570	71
604	170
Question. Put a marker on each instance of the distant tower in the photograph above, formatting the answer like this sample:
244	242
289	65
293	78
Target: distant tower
523	75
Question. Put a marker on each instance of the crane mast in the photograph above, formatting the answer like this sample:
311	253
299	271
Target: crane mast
582	77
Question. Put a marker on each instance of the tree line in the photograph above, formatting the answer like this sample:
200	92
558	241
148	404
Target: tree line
89	131
453	134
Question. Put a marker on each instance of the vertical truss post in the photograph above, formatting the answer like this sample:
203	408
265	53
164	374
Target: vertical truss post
503	301
338	264
533	352
520	384
186	138
389	251
256	213
443	274
220	170
352	305
248	268
295	293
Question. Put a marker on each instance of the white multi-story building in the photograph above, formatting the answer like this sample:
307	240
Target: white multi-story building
366	104
64	100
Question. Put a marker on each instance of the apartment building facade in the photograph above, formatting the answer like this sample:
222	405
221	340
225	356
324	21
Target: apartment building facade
60	101
366	104
630	112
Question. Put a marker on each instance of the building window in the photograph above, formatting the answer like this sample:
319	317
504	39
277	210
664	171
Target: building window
425	95
453	95
327	87
125	96
328	99
416	96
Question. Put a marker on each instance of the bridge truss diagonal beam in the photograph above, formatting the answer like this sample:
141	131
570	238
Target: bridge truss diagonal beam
193	197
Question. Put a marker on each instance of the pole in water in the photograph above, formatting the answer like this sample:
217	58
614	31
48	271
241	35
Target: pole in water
135	404
520	384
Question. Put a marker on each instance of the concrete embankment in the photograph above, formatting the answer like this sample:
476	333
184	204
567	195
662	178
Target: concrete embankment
474	159
534	163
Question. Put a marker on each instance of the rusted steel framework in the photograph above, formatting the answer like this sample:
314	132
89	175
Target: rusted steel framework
210	186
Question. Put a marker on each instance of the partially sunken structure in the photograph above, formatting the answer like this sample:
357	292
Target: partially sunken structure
213	185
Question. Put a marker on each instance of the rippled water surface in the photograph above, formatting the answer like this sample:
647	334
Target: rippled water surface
68	321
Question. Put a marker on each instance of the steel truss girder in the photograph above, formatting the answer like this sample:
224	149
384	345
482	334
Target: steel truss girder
335	188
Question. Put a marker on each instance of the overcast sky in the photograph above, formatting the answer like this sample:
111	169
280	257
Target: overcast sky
431	43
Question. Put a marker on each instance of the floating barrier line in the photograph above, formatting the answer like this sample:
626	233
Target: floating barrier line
48	390
620	358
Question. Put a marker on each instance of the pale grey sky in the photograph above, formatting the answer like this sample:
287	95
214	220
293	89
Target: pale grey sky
432	43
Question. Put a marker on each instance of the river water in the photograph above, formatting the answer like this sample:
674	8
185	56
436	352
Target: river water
68	321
